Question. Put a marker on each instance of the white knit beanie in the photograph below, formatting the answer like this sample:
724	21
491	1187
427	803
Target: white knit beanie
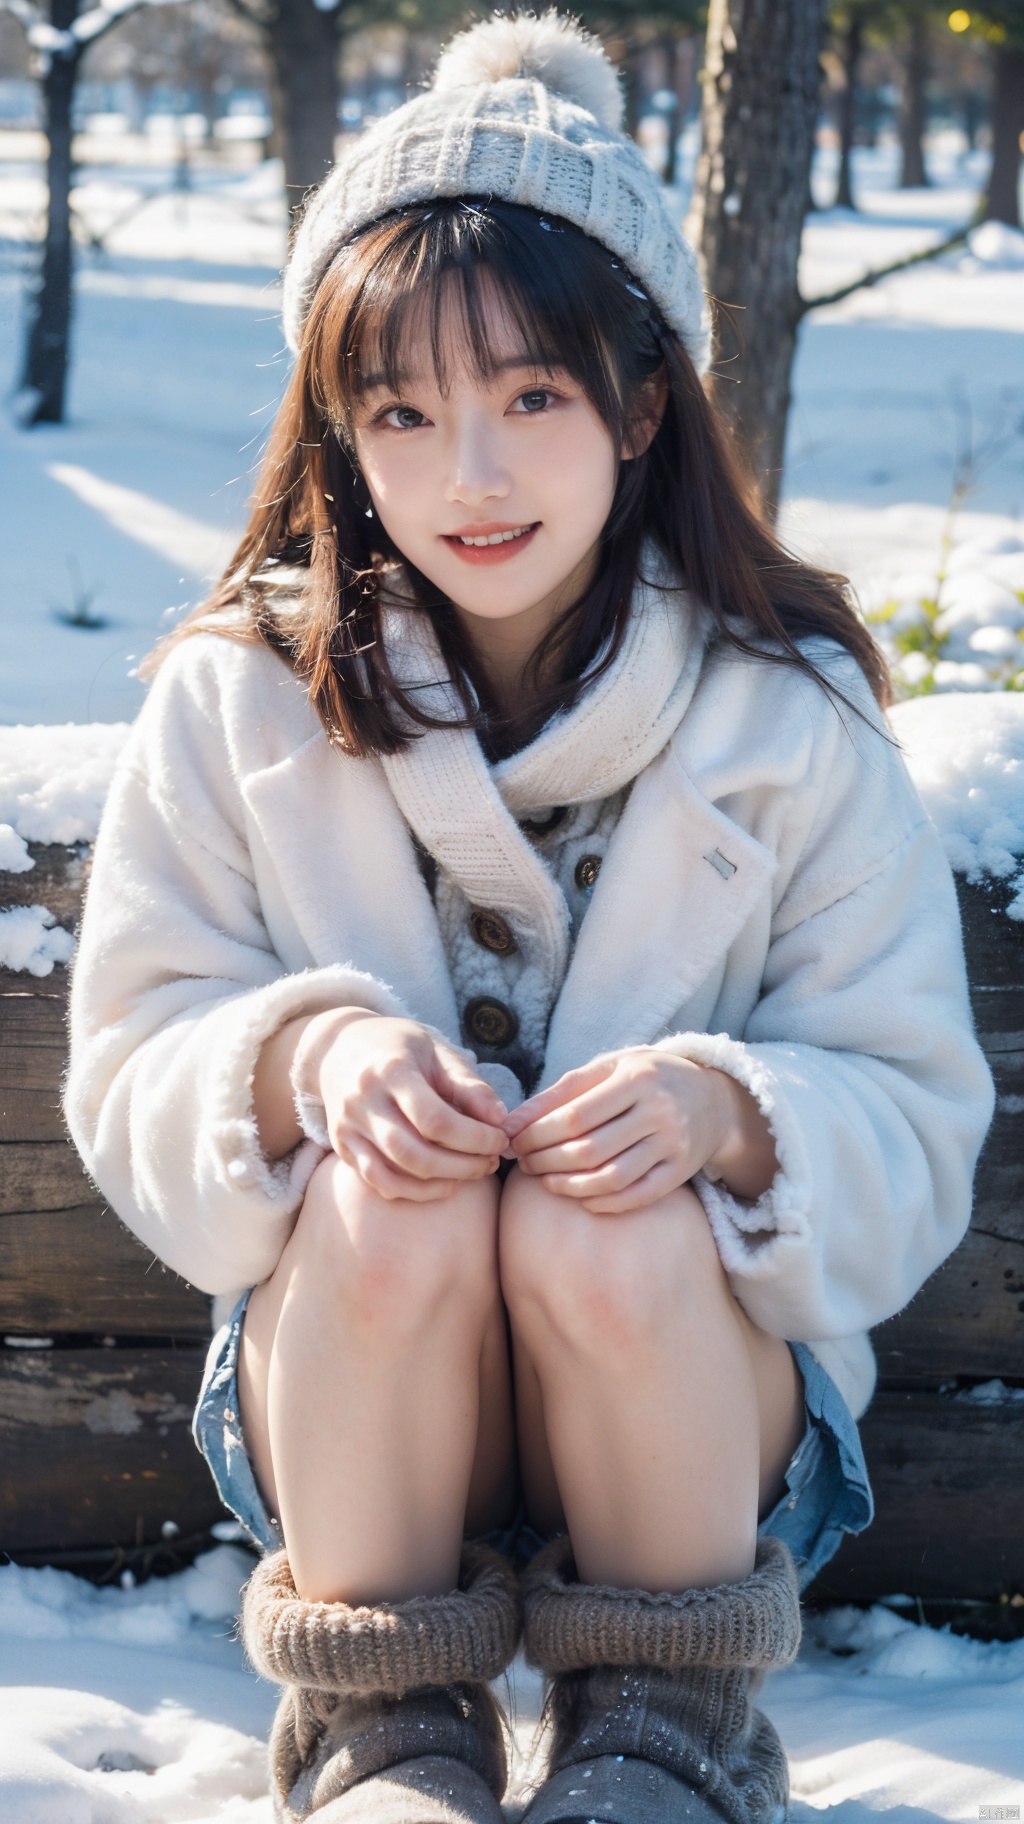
521	110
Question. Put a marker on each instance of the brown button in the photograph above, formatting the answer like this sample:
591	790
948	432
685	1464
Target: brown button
492	932
587	870
490	1022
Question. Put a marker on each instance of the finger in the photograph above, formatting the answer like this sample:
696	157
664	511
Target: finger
573	1084
592	1150
404	1148
651	1188
470	1093
437	1121
394	1186
606	1101
612	1178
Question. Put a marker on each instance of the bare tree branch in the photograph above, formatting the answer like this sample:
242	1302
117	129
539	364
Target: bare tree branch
22	10
52	41
872	278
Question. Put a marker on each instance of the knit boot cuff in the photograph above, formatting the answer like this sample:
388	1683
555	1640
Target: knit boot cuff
469	1634
571	1627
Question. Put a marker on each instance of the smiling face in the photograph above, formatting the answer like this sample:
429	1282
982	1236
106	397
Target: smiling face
496	485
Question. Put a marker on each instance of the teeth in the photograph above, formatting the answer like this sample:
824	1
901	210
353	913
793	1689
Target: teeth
496	538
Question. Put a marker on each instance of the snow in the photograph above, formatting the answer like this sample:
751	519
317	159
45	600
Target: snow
130	1705
989	1393
14	855
135	1706
31	939
995	244
53	782
161	1615
966	756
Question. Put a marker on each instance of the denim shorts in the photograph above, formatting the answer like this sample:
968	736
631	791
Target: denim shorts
827	1492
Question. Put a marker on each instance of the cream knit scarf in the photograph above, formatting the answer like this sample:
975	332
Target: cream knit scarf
465	812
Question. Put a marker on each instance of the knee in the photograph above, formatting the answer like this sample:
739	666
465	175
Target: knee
602	1285
395	1267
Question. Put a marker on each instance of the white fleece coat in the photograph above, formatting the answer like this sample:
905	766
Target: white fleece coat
773	902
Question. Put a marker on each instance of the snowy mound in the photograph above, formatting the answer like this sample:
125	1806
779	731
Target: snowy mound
130	1706
962	629
877	1641
32	940
997	245
966	756
53	783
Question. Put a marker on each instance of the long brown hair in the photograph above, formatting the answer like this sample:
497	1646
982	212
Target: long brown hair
577	309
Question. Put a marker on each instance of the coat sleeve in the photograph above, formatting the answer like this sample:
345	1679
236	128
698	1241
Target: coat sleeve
861	1054
175	987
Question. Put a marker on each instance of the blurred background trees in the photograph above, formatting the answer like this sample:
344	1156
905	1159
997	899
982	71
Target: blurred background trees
920	61
1001	25
728	100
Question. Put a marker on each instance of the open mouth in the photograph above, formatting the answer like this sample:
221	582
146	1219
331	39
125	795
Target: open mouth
493	538
490	547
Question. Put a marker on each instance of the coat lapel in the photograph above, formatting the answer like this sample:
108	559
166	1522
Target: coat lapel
679	881
357	898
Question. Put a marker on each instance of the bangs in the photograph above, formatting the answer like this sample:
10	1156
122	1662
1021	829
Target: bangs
429	278
474	284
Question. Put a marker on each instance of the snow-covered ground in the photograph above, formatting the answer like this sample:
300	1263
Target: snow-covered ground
905	468
135	1707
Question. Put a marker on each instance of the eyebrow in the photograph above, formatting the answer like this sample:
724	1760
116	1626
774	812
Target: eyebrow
375	382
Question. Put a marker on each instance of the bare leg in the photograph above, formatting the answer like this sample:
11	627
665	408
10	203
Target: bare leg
375	1388
652	1414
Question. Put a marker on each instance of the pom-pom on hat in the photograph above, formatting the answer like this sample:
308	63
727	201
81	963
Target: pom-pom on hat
526	110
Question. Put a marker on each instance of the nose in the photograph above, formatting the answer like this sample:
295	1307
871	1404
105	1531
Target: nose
477	471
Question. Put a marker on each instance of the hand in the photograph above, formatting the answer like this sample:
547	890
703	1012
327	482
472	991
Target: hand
404	1109
633	1125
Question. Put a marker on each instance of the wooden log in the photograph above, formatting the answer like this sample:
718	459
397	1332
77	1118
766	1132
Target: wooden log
67	1264
946	1475
96	1447
57	881
33	1054
42	1175
79	1271
969	1319
33	1009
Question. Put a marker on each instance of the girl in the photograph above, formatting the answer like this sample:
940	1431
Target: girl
515	950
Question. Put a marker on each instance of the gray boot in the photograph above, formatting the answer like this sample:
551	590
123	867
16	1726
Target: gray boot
651	1706
386	1717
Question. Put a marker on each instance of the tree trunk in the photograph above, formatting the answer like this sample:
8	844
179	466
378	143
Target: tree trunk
670	115
303	45
44	376
761	99
914	106
1003	201
631	88
682	56
852	39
